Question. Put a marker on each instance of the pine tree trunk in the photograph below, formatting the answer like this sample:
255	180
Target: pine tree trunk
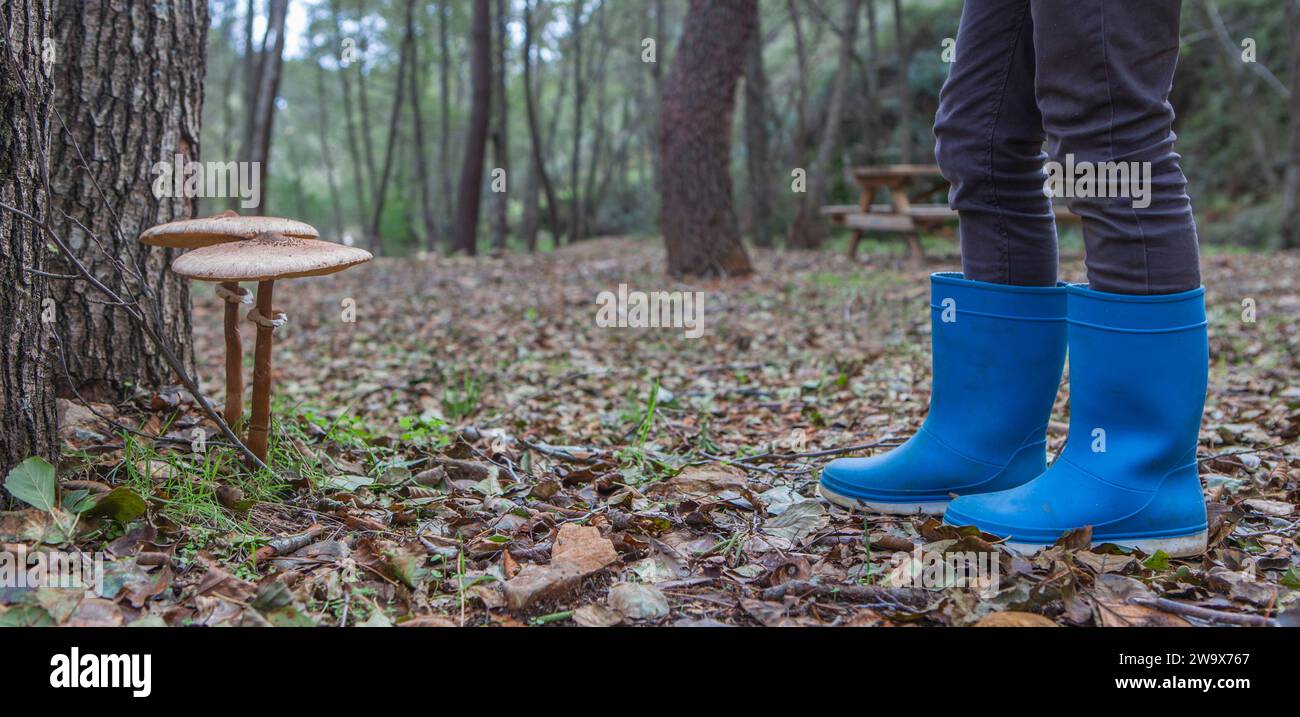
469	200
129	84
698	217
579	102
756	143
501	133
809	228
904	87
26	393
268	88
427	213
1291	178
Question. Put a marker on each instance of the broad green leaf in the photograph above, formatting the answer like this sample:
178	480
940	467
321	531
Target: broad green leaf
121	504
1158	562
32	482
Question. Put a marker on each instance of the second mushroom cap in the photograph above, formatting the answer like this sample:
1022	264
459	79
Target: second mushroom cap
268	257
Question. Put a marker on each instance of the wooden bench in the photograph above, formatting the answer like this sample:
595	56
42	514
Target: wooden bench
899	216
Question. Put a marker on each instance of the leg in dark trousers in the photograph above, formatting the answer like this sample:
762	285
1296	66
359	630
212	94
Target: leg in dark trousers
989	144
1104	71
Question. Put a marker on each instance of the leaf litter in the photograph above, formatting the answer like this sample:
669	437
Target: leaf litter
475	450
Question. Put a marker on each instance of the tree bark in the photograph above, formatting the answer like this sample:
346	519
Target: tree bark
427	213
756	142
1291	176
268	87
327	153
579	101
444	98
29	427
359	184
501	132
129	85
471	175
599	77
698	217
394	121
904	87
808	228
537	176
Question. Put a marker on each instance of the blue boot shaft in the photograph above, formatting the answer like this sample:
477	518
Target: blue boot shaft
1138	375
997	357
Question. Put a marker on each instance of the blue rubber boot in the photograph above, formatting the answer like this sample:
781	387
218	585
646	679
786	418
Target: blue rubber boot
997	354
1138	371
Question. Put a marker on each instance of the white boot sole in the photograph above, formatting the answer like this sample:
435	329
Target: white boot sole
1187	546
936	508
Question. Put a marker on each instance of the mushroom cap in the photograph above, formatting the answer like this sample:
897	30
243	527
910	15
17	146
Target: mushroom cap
223	227
267	257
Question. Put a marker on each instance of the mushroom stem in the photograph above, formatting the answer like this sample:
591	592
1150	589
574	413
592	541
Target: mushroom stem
259	424
234	362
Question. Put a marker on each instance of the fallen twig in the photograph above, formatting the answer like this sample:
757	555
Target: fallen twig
911	599
289	543
1205	613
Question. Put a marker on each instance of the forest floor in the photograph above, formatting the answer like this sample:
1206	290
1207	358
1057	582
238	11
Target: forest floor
475	450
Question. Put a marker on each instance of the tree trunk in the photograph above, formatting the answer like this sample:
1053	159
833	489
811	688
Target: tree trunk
327	154
354	145
579	100
394	121
1291	178
29	427
501	133
809	227
129	85
904	87
471	174
698	218
657	79
756	142
597	76
268	87
444	98
427	213
871	108
536	164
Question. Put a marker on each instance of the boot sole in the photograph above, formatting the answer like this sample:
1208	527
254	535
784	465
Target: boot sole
935	508
1187	546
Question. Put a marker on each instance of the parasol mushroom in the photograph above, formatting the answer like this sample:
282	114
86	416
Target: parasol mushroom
266	258
227	226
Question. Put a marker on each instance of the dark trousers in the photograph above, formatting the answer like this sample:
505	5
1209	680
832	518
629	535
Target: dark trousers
1092	79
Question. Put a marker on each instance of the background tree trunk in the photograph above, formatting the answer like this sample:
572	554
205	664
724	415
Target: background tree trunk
501	133
1291	175
471	173
268	87
141	104
376	245
427	213
809	227
698	217
444	118
904	87
756	143
579	100
26	394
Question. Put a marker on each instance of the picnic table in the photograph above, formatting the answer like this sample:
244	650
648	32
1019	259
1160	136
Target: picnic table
897	215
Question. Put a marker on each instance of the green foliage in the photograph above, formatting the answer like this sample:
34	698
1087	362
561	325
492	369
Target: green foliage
461	403
32	482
